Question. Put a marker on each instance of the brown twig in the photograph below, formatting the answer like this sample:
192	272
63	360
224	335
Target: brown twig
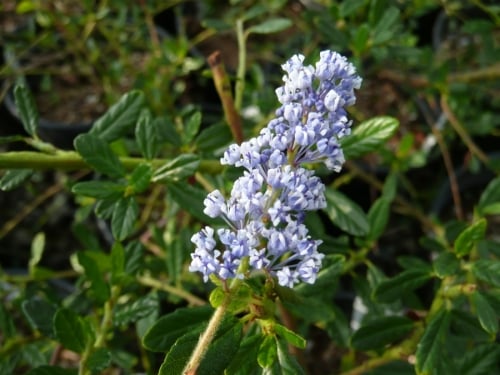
448	163
418	81
406	207
461	131
12	223
223	87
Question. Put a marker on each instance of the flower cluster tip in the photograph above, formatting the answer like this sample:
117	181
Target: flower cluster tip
266	209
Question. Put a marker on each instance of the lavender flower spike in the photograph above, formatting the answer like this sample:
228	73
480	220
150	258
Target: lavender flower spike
266	209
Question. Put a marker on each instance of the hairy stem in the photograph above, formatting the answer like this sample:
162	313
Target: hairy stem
206	338
70	160
208	335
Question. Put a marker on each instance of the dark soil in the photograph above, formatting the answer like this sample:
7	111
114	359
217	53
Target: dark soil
71	101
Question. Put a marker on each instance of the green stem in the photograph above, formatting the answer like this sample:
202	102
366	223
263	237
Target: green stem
190	298
214	323
400	352
206	338
101	331
107	317
240	74
70	161
23	279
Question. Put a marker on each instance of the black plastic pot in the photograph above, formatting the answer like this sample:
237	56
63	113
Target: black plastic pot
59	134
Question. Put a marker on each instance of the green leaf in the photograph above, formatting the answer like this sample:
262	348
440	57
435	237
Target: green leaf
465	324
288	363
290	336
27	109
191	199
145	135
386	27
163	334
191	127
480	359
396	287
346	8
490	197
446	264
346	214
270	26
429	349
7	326
40	313
492	209
104	208
12	178
390	187
381	332
183	166
268	352
222	350
134	257
51	370
166	131
99	189
117	263
488	271
213	137
119	117
466	240
99	359
487	316
131	312
98	154
245	360
70	330
37	248
240	298
312	309
368	136
124	217
378	216
140	178
253	12
98	287
393	368
219	354
178	355
360	38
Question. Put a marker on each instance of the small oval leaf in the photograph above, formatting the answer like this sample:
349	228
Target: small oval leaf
98	154
270	26
346	214
27	109
429	349
368	136
487	316
119	117
468	238
396	287
70	330
380	332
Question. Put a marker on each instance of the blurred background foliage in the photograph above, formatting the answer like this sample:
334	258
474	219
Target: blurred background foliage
432	65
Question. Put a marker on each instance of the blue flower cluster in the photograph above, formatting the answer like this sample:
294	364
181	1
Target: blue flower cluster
266	209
